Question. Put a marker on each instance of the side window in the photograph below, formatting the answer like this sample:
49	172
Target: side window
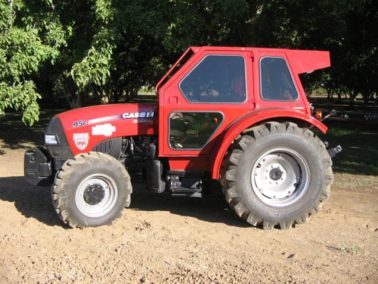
276	81
192	130
216	79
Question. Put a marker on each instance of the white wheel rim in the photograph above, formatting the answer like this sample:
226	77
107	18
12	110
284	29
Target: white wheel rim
96	195
280	177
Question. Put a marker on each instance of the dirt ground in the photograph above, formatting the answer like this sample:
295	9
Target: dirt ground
181	240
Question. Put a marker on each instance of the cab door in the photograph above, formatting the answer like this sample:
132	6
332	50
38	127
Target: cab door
209	92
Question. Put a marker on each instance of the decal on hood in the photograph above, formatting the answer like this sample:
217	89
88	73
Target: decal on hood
104	119
142	114
79	123
81	140
103	129
126	115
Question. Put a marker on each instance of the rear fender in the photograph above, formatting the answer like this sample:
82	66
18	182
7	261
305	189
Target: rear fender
252	119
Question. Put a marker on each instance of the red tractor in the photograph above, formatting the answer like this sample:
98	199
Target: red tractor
236	115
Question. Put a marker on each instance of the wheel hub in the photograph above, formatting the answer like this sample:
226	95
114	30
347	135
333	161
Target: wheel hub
279	177
275	174
94	194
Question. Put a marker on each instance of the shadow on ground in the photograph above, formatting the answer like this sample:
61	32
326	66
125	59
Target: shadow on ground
35	202
30	201
211	208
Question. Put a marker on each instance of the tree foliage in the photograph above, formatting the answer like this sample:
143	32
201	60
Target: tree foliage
88	51
346	28
26	42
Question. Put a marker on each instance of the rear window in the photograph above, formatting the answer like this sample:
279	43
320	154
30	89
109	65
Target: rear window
276	81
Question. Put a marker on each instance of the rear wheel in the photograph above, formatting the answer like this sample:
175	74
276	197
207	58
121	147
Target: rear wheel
277	174
91	190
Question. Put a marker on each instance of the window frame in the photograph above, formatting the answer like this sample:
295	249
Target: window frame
191	111
213	103
292	79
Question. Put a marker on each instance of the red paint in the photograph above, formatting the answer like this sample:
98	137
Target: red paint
237	117
171	100
252	119
189	164
123	126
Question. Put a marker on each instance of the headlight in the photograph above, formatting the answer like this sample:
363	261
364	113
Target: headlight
51	140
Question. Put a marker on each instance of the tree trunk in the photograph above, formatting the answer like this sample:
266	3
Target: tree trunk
352	97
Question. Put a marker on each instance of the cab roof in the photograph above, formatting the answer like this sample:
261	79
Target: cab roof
301	61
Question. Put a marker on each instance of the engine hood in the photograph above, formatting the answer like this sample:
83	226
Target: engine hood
86	127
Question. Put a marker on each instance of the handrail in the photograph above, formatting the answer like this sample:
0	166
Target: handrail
171	69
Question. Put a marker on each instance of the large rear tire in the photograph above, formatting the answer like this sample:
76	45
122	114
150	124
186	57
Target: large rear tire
91	190
277	174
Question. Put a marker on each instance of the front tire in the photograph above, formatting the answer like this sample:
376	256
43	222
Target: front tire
277	174
91	190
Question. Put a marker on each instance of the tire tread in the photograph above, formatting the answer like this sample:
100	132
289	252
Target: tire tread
242	143
58	187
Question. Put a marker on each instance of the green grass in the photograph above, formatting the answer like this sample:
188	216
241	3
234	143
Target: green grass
360	147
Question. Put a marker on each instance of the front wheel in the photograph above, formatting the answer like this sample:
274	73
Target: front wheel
277	174
91	190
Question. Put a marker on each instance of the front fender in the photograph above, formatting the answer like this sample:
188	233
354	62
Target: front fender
252	119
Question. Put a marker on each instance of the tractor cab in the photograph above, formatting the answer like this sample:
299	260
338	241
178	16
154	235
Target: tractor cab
215	88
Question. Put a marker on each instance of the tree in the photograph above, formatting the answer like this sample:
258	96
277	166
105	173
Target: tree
36	38
89	51
345	28
28	38
151	34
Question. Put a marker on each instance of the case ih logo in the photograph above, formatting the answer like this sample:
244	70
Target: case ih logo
81	140
143	114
